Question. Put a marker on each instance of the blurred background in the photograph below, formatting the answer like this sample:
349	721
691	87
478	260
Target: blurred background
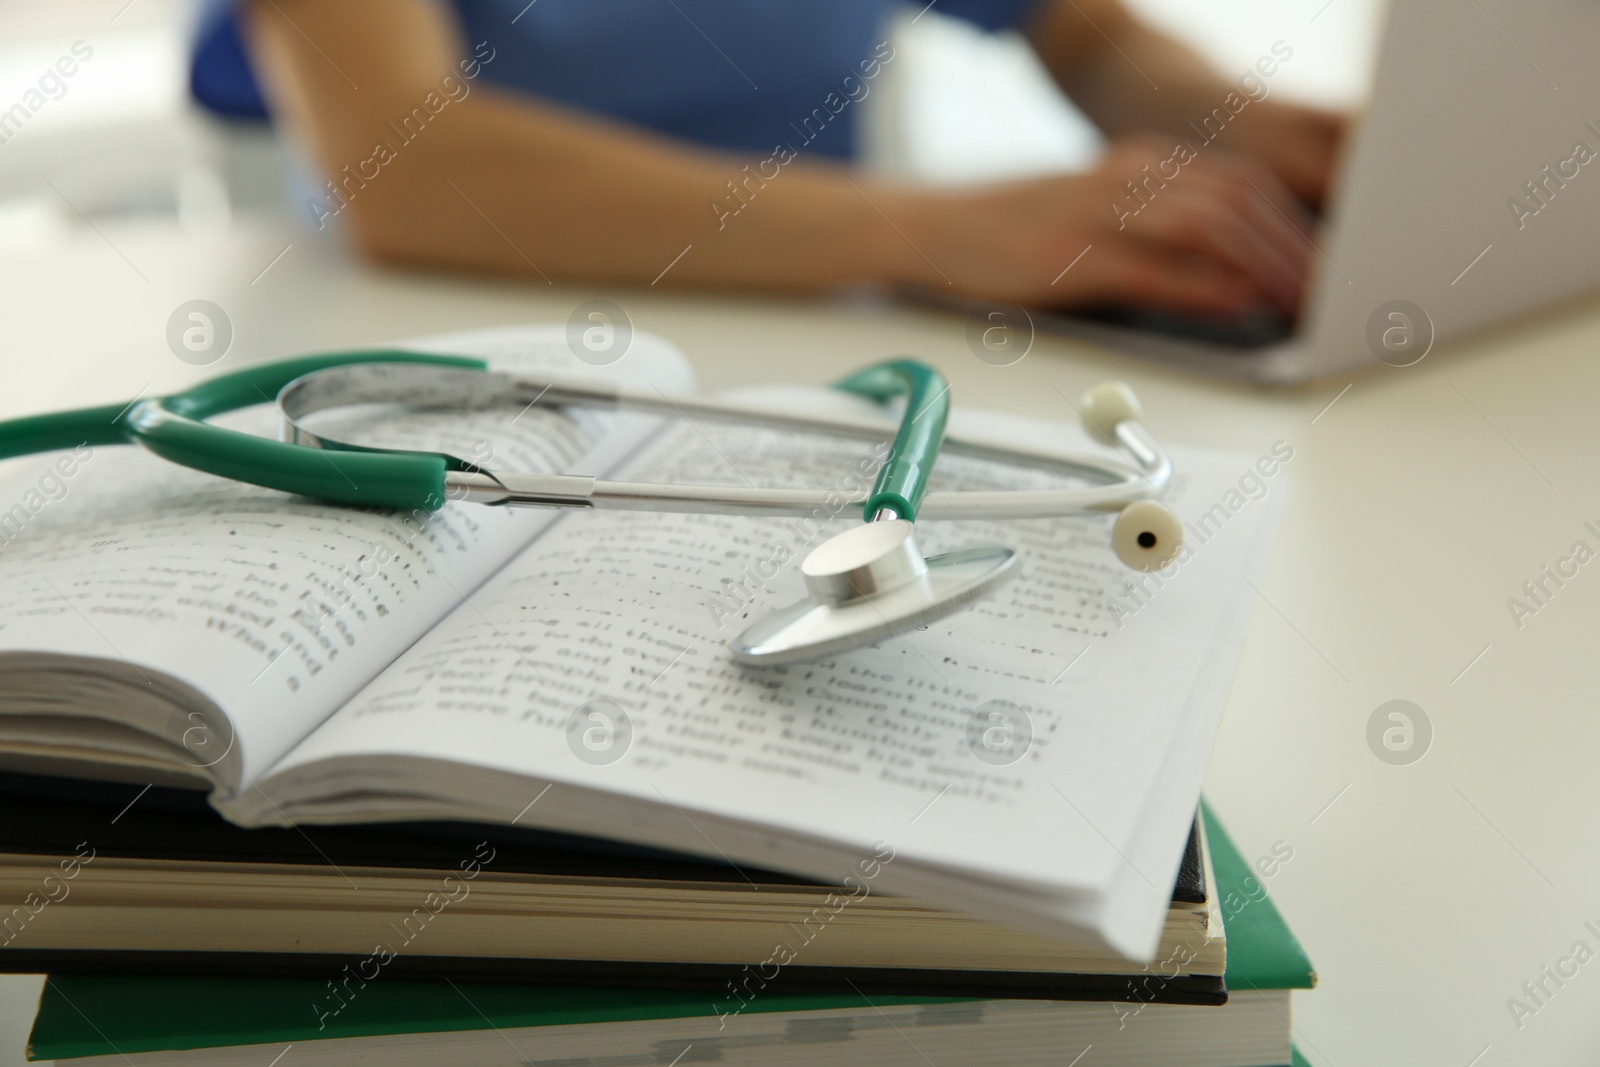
125	146
124	158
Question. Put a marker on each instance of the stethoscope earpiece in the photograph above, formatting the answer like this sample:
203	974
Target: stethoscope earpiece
1147	535
1103	406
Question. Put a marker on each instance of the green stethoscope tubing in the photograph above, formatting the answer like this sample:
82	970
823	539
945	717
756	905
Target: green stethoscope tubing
174	428
904	477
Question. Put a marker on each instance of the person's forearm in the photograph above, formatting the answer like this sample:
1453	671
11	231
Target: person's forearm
498	182
524	188
1124	75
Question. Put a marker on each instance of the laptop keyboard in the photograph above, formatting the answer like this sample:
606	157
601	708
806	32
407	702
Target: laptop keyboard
1257	329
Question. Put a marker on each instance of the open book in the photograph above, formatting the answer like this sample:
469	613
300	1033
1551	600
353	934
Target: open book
1035	760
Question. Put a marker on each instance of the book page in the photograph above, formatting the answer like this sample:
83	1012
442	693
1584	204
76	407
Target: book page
279	608
1017	740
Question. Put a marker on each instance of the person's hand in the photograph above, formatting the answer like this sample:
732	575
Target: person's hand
1209	233
1300	143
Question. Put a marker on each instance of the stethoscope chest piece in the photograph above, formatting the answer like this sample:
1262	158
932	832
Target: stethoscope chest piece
869	583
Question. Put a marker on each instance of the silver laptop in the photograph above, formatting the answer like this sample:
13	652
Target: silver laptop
1470	192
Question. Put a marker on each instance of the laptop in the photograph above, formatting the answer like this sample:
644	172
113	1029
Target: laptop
1469	193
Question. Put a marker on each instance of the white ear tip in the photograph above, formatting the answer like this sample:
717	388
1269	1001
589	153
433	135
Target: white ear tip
1147	535
1107	404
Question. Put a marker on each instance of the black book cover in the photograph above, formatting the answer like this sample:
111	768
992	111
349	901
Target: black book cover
41	816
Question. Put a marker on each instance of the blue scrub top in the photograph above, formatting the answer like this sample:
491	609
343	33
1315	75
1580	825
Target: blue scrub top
743	75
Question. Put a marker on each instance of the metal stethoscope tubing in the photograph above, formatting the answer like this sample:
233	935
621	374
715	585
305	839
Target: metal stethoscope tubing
1146	478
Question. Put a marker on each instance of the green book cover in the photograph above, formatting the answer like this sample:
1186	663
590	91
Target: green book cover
92	1016
1263	952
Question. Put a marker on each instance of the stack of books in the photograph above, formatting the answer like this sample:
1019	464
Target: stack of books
160	960
507	747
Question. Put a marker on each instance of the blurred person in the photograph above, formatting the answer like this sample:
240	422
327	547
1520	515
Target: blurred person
596	141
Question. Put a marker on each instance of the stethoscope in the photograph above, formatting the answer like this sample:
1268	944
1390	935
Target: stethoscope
865	584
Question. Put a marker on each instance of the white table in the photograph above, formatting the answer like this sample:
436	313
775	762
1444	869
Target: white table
1421	500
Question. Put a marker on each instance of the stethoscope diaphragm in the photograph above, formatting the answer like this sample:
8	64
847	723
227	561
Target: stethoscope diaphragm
867	584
